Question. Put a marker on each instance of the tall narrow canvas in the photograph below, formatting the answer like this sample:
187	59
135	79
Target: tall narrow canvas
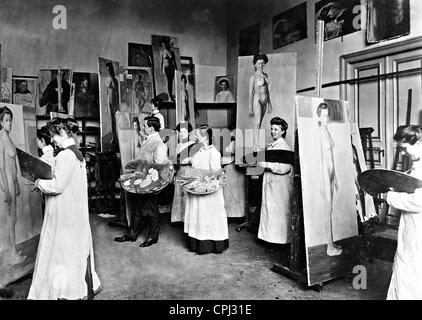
108	77
6	94
48	99
86	95
328	191
185	108
262	96
166	62
22	216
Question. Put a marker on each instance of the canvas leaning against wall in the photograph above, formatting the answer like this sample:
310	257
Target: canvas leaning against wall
6	94
289	26
328	191
140	55
166	58
108	77
48	98
22	218
272	95
185	108
25	91
86	95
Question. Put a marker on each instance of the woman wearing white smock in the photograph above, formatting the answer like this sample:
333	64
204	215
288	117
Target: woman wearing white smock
182	154
406	281
277	187
205	215
64	268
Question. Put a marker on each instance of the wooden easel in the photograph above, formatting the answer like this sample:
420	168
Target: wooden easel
406	162
297	261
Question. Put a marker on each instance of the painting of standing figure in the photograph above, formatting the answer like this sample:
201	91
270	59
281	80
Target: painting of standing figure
167	62
185	111
266	88
48	86
86	102
20	209
327	171
137	90
109	103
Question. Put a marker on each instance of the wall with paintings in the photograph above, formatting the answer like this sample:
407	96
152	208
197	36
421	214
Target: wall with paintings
106	26
244	14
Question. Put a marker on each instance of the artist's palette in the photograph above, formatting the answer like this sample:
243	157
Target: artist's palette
146	177
378	181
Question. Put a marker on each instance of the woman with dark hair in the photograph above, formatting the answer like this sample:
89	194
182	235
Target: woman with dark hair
183	156
9	185
184	101
205	215
277	188
168	67
45	145
406	281
259	96
225	95
64	268
329	184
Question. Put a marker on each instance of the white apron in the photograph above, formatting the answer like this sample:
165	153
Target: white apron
406	281
277	187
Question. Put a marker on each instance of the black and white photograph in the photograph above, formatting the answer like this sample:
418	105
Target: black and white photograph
210	159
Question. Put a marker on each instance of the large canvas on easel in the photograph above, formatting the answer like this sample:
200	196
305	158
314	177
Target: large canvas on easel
281	71
166	62
86	95
28	204
327	170
109	103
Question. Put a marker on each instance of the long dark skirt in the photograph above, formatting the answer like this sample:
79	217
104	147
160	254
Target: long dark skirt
207	246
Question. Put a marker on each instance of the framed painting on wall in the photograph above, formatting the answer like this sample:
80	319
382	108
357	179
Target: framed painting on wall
387	19
25	90
289	26
140	55
341	17
249	40
224	89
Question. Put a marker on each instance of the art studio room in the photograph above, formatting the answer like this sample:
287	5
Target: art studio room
211	150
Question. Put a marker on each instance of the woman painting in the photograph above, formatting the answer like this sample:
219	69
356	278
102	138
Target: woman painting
259	96
183	156
328	179
168	67
64	268
9	185
205	215
184	100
